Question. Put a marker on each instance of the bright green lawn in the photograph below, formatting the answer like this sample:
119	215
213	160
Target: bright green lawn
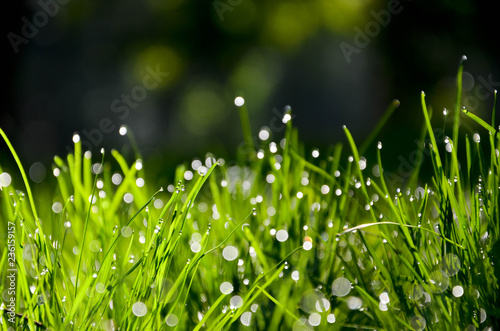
283	240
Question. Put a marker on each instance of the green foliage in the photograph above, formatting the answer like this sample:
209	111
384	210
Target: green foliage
280	240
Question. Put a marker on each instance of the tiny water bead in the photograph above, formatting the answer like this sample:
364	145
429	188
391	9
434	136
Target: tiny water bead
384	297
313	301
354	303
302	324
226	288
341	287
97	168
246	318
5	179
330	318
438	281
418	323
230	253
76	138
264	134
282	235
295	275
128	198
416	292
139	309
123	130
57	207
239	101
450	264
314	319
138	164
476	137
236	302
37	172
116	179
139	182
172	320
458	291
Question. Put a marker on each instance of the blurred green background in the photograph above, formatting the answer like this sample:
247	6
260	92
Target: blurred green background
71	69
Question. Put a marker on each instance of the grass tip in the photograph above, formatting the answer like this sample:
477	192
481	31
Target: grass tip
463	59
396	102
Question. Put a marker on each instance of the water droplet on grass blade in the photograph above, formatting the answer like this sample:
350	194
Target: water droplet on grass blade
450	264
341	287
230	253
418	323
171	320
354	303
123	130
438	281
416	292
246	318
236	302
239	101
314	319
139	309
313	299
282	235
458	291
226	288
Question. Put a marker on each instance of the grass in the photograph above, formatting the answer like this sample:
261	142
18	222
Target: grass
280	240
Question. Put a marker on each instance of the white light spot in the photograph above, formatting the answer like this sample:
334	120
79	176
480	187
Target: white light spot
458	291
341	287
362	164
230	253
264	134
123	130
325	189
128	198
236	302
76	138
384	297
246	318
139	182
116	179
314	319
286	118
239	101
330	318
158	203
139	309
315	153
188	175
307	245
476	137
126	231
226	288
295	275
57	207
171	320
5	179
282	235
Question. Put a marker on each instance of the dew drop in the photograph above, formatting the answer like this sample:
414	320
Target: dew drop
226	288
139	309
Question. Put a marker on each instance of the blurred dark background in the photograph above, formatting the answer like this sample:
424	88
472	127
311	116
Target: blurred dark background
71	65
